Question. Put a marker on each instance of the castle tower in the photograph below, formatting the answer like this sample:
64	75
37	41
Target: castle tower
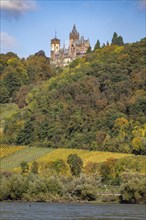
74	35
73	38
55	47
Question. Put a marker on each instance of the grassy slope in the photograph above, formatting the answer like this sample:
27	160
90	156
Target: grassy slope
86	156
47	155
6	150
27	154
135	163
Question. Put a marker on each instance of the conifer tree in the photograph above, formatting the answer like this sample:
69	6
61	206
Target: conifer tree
97	45
117	40
114	39
107	43
89	49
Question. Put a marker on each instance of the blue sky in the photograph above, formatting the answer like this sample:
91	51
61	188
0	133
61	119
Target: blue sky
27	26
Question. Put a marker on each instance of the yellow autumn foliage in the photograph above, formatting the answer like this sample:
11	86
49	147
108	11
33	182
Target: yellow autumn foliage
85	155
6	150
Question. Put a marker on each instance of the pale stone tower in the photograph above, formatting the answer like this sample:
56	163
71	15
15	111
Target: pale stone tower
55	47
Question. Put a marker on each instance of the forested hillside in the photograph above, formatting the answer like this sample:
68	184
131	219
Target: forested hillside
97	103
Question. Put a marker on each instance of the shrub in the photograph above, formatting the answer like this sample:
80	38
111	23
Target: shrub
75	163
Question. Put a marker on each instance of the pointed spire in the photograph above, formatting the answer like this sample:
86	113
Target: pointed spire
74	30
55	34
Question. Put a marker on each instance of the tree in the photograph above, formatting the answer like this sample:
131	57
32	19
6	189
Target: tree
117	40
97	45
58	165
133	188
114	39
120	41
26	134
103	45
38	67
24	167
21	96
107	170
89	49
107	43
139	141
35	167
4	95
75	163
14	76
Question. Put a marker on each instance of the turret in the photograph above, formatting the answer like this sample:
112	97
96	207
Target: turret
55	47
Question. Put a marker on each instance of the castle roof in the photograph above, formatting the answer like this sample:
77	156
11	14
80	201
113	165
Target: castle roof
74	30
55	39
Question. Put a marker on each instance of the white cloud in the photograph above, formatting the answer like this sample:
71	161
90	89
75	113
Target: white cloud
15	8
8	43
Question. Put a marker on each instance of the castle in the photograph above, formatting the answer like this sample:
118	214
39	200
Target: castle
77	48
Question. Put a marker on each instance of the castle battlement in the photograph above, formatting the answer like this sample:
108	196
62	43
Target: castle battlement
77	48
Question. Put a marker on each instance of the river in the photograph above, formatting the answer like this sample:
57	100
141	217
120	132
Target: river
63	211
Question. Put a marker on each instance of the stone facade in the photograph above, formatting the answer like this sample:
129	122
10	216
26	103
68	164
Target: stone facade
77	48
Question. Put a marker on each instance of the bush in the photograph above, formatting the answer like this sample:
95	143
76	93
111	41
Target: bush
75	163
133	188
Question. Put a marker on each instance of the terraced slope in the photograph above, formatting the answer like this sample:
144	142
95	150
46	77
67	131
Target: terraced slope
46	155
28	154
86	156
6	150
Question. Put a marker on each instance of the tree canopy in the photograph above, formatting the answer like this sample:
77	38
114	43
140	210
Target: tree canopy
97	102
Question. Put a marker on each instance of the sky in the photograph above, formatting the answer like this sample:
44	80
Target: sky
27	26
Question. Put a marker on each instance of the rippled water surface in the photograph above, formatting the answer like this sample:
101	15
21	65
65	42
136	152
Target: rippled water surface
57	211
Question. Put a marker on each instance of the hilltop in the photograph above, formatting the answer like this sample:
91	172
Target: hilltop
97	102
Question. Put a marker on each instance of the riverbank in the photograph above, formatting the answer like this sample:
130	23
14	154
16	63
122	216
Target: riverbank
83	188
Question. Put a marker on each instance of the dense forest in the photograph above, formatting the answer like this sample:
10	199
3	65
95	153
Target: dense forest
98	102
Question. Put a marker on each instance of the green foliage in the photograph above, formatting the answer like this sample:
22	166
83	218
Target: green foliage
75	163
89	49
139	141
25	135
21	96
24	167
107	170
74	63
133	188
32	187
117	40
82	106
38	67
14	76
58	165
34	167
4	95
17	72
97	45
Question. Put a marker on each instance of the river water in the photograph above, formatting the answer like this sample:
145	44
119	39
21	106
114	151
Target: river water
63	211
